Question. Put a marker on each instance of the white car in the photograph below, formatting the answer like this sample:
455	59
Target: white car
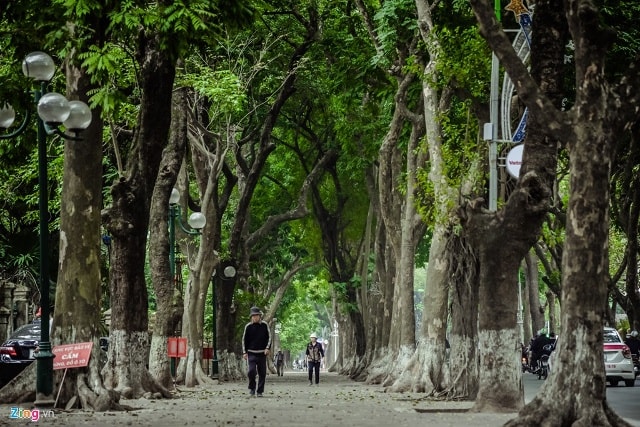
618	365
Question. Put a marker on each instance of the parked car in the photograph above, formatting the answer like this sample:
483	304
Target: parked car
18	351
617	359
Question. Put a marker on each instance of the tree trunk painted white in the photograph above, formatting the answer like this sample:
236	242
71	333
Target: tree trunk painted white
193	326
127	220
590	128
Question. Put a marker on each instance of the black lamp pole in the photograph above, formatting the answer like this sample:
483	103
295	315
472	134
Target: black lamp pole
54	110
44	357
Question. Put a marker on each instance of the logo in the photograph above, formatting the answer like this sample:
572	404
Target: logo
29	414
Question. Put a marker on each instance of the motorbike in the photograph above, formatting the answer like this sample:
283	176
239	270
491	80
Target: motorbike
543	362
636	364
541	367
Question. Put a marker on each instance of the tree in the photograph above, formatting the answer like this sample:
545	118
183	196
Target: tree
502	241
162	38
602	111
79	287
168	296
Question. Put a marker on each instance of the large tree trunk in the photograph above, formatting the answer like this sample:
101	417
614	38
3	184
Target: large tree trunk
535	308
168	296
463	354
193	328
578	396
78	292
425	371
504	238
127	221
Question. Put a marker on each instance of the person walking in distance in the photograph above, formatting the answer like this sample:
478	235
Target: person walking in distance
315	353
280	362
256	340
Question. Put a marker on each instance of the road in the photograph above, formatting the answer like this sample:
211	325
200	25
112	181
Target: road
623	400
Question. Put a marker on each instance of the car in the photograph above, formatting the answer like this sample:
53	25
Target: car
18	352
618	364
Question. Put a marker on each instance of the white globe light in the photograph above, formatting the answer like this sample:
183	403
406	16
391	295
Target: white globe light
197	221
39	66
175	196
229	271
53	108
7	116
79	116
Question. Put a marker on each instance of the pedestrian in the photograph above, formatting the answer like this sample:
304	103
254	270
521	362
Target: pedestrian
256	341
633	343
315	353
537	349
280	362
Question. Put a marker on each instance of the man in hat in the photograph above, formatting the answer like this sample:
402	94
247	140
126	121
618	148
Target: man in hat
256	341
315	353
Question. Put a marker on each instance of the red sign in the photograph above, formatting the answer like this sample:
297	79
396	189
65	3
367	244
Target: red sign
207	353
177	347
72	355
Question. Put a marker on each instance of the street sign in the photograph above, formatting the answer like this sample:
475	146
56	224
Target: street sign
176	347
72	355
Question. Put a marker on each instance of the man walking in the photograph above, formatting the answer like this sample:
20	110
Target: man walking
256	341
280	362
315	353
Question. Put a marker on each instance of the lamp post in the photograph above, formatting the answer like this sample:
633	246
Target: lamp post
334	335
228	273
196	222
53	110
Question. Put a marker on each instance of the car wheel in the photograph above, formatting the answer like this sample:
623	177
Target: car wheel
630	383
614	383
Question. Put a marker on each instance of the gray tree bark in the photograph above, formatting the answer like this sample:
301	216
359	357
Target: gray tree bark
600	112
169	300
127	220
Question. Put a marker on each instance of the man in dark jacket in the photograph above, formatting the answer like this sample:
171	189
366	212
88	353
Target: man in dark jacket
256	340
279	360
537	348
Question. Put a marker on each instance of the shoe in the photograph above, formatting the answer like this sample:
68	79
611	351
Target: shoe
310	383
259	394
252	392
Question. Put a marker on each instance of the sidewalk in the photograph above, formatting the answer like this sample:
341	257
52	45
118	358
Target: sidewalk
288	401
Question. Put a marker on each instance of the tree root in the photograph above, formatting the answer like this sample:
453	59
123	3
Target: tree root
21	388
575	414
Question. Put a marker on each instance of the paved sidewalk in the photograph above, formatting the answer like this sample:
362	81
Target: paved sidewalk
288	401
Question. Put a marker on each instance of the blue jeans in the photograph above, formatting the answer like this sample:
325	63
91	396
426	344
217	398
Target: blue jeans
257	365
314	367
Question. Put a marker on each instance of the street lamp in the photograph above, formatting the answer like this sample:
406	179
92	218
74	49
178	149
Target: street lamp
53	110
228	274
196	222
334	335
